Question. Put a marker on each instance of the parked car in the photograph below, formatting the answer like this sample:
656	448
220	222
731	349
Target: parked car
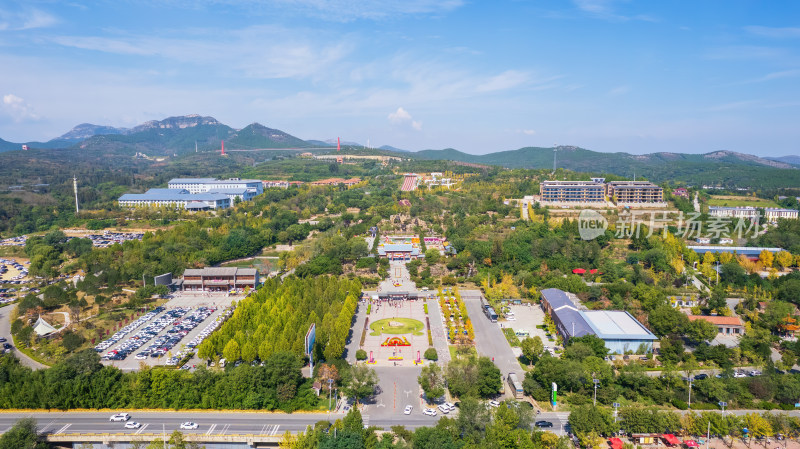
701	376
444	409
755	372
494	403
739	374
429	412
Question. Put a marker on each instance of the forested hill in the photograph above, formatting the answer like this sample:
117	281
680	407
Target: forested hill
724	168
181	134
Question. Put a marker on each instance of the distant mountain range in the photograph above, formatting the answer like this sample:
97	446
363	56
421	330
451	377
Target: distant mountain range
182	134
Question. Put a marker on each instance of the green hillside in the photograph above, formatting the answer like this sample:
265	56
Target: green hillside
256	136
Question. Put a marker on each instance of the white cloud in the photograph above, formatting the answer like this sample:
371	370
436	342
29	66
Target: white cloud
259	52
18	108
26	19
401	116
528	132
607	10
619	90
774	32
347	10
503	81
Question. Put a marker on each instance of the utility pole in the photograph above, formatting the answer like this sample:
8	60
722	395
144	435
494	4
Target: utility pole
691	379
555	152
595	381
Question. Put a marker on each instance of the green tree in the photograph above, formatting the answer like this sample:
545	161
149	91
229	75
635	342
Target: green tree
231	351
700	331
432	381
717	300
593	341
585	419
665	320
489	378
532	348
360	382
352	421
23	435
432	256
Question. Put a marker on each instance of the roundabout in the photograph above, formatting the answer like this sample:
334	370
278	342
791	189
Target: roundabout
396	326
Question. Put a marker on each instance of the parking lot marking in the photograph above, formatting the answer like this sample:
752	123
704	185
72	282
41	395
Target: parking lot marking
211	429
141	429
66	426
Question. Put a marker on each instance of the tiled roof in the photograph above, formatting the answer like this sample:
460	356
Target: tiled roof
718	320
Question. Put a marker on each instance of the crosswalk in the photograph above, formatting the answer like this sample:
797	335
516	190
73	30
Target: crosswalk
270	429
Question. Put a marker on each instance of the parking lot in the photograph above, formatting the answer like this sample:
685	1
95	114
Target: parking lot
163	337
524	320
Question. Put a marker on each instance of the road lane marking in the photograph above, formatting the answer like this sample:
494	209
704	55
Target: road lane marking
224	429
61	430
275	430
211	429
262	429
141	429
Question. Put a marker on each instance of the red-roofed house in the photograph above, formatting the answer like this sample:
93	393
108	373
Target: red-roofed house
728	325
682	192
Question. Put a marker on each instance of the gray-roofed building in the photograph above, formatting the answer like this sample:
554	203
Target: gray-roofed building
219	279
399	251
618	329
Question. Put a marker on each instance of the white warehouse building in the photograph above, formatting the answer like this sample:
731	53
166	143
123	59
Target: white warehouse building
178	198
246	189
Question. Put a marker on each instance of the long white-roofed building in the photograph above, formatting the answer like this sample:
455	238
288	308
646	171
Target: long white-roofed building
251	187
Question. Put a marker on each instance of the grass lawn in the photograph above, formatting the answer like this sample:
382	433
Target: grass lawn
405	326
738	201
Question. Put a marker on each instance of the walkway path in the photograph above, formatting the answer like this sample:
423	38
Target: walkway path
5	331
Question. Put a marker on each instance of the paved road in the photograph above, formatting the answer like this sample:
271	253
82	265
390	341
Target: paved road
489	339
210	423
5	331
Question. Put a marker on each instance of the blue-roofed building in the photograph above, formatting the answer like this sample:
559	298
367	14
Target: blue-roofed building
177	198
620	331
751	252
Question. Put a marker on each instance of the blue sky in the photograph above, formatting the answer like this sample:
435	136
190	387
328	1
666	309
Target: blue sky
478	76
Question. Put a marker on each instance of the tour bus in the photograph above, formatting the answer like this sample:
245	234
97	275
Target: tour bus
490	313
516	386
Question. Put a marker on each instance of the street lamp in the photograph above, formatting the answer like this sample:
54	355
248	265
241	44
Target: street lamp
596	381
723	404
616	406
691	379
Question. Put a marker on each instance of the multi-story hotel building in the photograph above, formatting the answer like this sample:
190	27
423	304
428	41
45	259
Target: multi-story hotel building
635	192
572	192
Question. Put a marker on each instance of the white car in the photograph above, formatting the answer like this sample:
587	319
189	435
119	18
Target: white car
755	373
189	426
132	425
739	374
444	409
511	318
494	403
408	409
120	417
429	412
450	405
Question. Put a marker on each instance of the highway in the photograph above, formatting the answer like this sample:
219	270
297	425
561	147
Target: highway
210	423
